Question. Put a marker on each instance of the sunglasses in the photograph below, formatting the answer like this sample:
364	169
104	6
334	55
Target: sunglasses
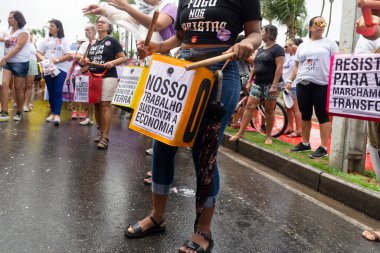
320	23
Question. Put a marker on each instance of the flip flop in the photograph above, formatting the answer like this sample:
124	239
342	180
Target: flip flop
294	134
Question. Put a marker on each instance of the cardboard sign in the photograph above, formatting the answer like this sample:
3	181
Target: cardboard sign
131	83
2	47
172	103
81	89
354	86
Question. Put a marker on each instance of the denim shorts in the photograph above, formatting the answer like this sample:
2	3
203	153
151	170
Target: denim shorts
18	69
261	91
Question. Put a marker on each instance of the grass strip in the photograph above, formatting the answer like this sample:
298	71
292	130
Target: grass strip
367	179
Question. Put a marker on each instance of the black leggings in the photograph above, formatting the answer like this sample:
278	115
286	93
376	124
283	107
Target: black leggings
313	95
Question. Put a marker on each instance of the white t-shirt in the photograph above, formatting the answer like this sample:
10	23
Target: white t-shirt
55	48
288	67
314	60
365	46
23	54
33	52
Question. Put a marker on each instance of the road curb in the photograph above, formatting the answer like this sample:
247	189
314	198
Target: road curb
351	195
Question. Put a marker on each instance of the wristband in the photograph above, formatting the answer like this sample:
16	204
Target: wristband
289	81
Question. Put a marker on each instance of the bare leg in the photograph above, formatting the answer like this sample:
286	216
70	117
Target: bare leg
19	85
204	225
290	127
247	117
269	113
325	130
105	118
297	116
4	89
306	128
28	90
97	116
158	212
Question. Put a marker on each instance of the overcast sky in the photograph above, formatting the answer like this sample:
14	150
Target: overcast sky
38	12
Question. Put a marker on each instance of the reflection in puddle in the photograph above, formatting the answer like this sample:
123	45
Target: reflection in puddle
186	192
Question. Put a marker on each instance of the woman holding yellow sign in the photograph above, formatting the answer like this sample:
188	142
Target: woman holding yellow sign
203	31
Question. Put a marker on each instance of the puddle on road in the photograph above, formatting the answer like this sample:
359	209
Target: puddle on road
186	192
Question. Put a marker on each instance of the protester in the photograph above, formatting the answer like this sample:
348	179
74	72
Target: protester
32	72
143	16
90	32
366	46
310	75
267	72
54	51
294	114
244	71
229	20
15	63
108	51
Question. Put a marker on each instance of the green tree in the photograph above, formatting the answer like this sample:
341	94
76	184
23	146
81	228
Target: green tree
291	13
39	32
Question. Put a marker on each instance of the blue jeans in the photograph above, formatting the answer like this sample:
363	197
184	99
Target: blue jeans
54	86
163	155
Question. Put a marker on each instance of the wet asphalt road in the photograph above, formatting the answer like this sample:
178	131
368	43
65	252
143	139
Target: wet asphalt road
58	193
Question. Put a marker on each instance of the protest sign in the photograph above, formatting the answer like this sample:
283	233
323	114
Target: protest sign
354	86
81	89
129	85
2	47
172	102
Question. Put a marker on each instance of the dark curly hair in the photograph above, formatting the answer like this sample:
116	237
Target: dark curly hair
19	17
272	31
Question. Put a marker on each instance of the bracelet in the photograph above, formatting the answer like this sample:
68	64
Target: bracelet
289	81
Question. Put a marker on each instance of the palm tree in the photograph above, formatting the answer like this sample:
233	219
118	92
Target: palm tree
291	13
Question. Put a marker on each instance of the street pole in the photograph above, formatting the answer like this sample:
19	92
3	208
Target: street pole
349	136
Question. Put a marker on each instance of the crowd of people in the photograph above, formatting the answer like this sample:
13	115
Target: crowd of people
299	67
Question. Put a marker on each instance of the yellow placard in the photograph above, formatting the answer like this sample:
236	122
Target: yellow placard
130	84
172	102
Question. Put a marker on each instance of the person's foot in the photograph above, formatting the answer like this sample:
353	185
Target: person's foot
57	120
149	151
372	235
199	238
149	174
146	224
25	108
50	118
74	115
320	152
18	116
301	147
86	122
148	181
82	115
4	116
294	134
236	137
268	141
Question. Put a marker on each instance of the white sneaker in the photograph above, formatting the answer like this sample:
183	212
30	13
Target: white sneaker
25	108
50	118
149	151
86	122
57	120
17	117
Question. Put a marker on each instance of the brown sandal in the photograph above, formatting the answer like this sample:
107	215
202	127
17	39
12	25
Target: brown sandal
103	143
99	137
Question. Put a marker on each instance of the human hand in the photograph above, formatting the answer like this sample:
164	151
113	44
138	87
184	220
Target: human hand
84	61
93	9
2	62
273	88
109	65
119	4
144	51
242	50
